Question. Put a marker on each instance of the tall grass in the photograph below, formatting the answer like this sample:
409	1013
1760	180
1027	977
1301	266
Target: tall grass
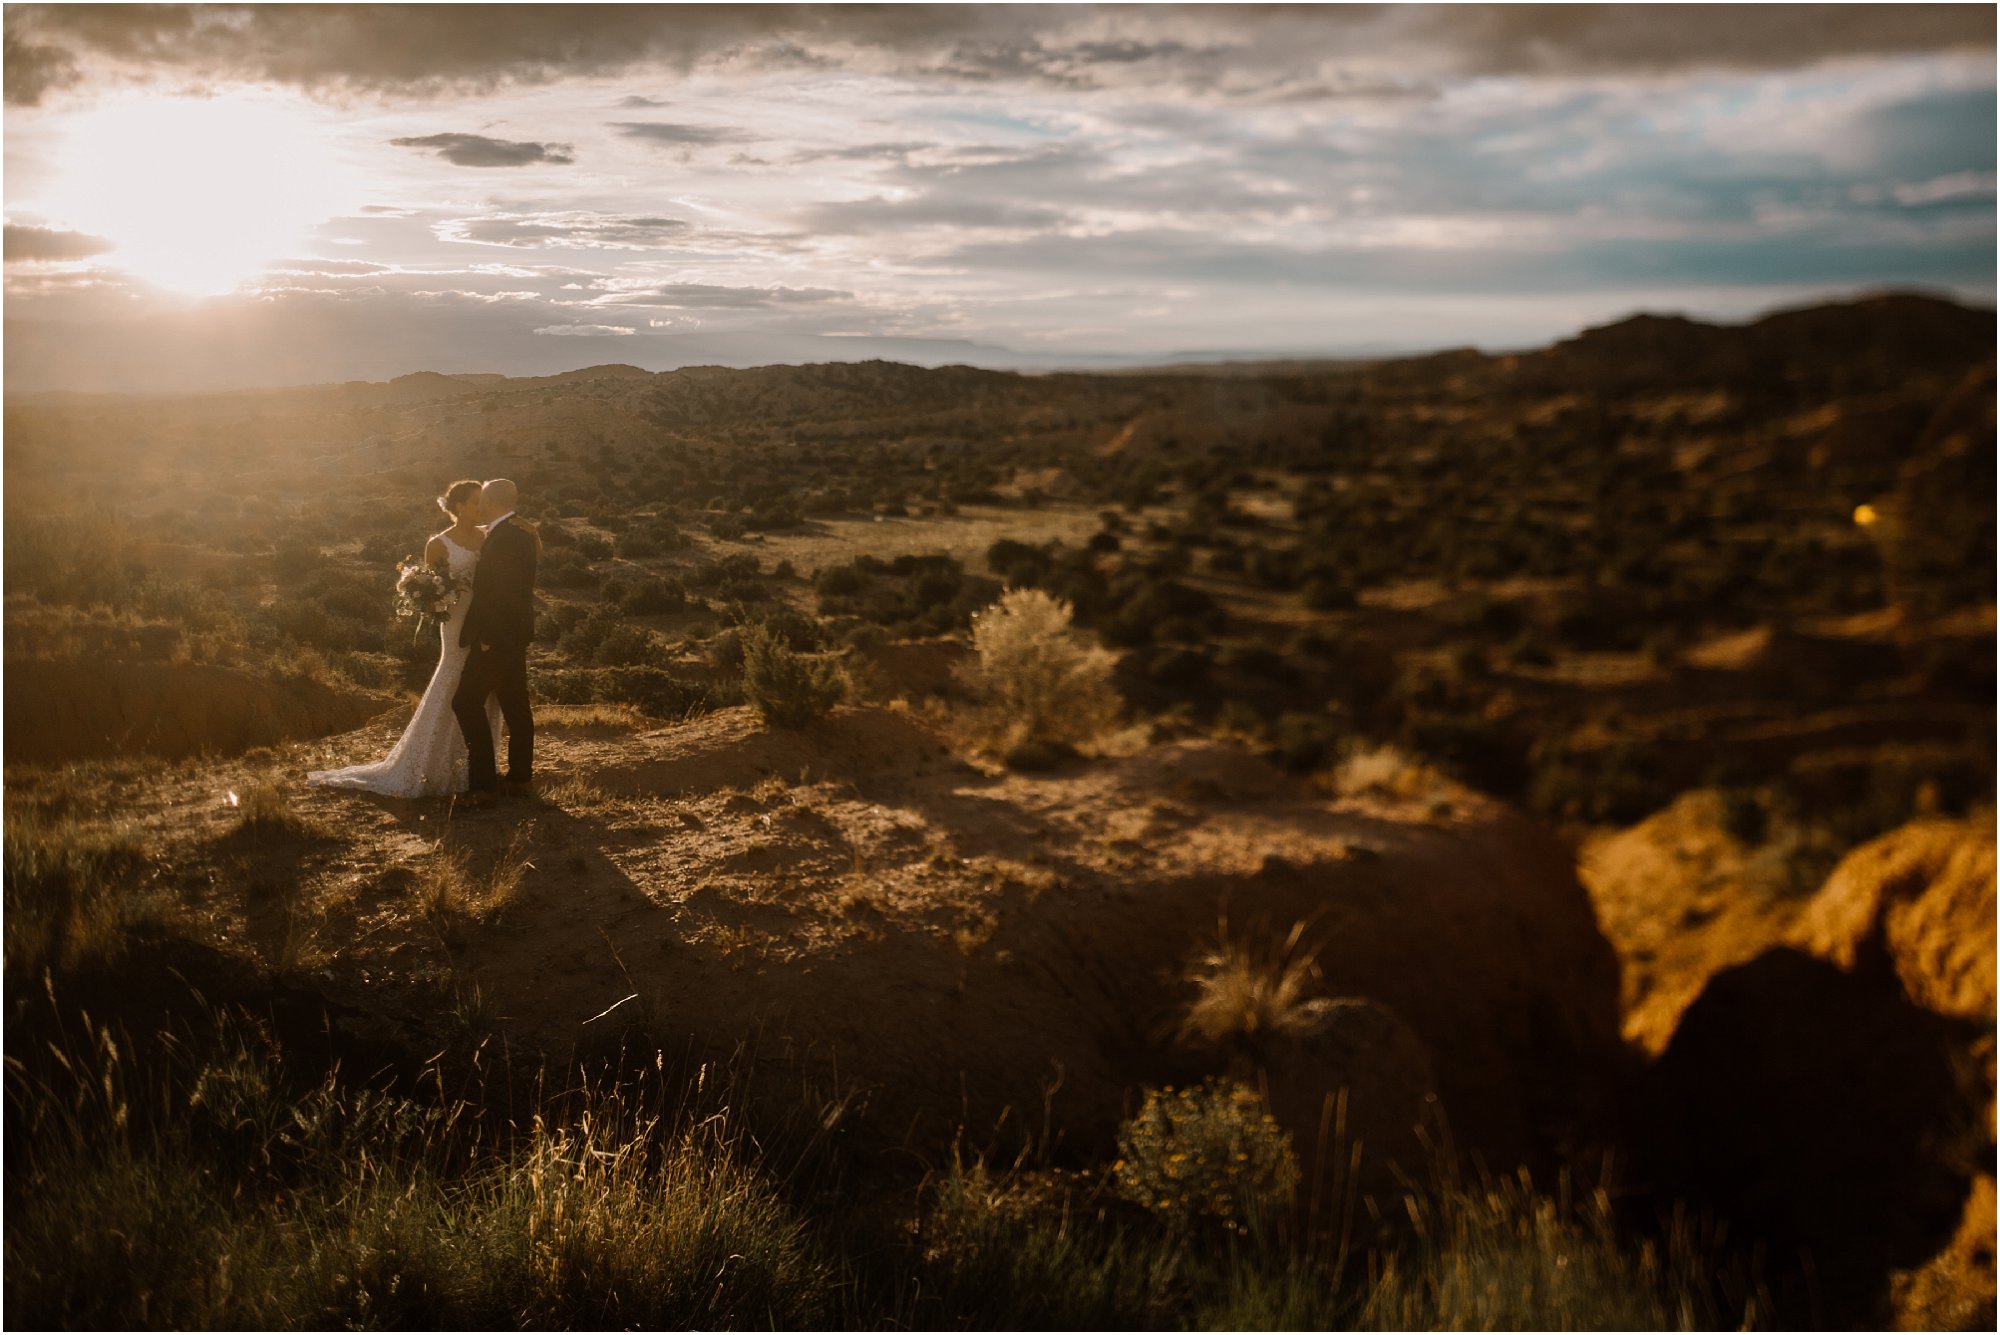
202	1182
1501	1256
209	1192
73	892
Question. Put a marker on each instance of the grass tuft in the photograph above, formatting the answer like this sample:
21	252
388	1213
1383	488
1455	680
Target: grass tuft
264	806
1246	987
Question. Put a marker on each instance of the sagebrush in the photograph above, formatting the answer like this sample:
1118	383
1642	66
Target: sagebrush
1039	682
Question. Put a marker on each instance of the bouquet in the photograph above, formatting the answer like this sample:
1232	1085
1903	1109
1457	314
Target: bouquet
424	593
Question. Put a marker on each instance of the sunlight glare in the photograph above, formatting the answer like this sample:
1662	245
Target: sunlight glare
198	194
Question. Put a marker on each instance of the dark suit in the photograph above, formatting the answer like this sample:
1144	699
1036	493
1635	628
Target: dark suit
497	628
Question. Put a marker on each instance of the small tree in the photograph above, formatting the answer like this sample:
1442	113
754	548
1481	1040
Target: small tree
788	689
1041	684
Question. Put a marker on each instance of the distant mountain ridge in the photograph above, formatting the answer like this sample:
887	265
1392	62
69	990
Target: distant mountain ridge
1897	328
1887	330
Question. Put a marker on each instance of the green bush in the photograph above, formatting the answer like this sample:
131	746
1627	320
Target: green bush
788	689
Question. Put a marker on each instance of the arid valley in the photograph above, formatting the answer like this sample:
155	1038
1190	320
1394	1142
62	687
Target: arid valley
1515	846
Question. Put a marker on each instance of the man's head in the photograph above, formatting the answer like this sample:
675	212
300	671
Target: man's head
497	497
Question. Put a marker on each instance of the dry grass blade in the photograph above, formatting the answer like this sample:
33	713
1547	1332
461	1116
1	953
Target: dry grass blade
1246	987
509	865
444	879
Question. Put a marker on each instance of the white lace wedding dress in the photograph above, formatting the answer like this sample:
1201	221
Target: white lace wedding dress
429	759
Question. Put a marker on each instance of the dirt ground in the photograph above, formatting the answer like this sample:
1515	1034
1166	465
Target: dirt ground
949	946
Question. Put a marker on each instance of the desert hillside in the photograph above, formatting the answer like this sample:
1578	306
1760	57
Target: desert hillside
1550	795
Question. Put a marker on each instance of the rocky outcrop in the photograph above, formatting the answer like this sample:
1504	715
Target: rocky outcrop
1922	900
1833	1095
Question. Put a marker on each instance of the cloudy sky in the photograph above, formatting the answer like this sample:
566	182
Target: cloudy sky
219	195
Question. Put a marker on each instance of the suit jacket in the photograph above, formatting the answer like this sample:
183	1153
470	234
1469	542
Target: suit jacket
503	591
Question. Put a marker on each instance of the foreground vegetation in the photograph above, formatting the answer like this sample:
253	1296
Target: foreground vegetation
200	1174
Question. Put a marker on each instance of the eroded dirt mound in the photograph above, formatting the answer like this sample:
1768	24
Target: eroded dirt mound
1835	1093
949	947
1682	898
80	709
1924	895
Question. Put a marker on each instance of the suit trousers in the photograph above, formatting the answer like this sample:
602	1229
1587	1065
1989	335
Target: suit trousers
503	672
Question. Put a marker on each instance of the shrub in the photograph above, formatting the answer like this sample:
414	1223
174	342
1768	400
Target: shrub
1040	683
1211	1154
653	596
655	690
838	581
626	644
637	547
1017	562
787	689
734	568
1305	742
1329	593
566	570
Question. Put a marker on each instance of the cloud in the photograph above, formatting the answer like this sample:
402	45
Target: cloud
1958	185
939	209
880	151
705	296
476	150
634	102
570	230
670	134
585	330
1231	52
50	243
330	268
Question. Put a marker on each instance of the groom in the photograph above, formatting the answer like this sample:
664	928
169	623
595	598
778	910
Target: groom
496	631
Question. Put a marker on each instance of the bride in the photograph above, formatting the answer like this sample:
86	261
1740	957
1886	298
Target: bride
429	759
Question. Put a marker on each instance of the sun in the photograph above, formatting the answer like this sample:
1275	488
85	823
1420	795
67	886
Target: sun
197	194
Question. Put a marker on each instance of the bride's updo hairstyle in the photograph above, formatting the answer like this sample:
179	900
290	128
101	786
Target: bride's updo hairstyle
456	495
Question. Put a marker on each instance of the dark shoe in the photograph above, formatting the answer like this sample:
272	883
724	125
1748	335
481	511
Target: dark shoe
475	798
517	787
